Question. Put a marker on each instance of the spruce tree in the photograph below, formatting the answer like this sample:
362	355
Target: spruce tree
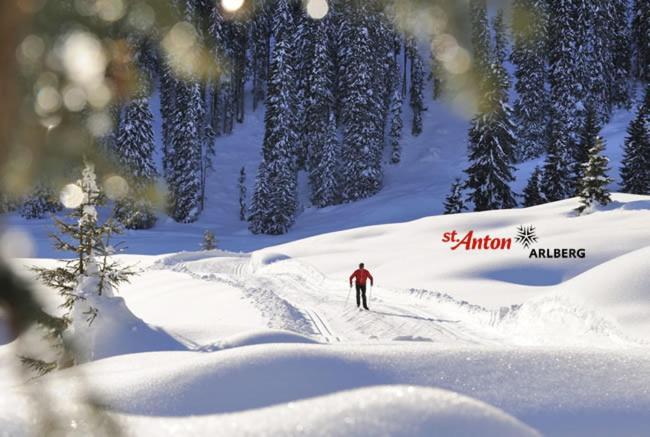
243	210
134	148
480	36
275	200
40	203
490	149
396	125
454	203
325	175
417	89
529	24
90	242
617	34
319	105
641	38
556	183
635	167
532	193
568	96
594	182
361	104
588	136
184	175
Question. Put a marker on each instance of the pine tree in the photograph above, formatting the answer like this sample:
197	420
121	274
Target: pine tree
437	75
618	36
275	200
490	149
593	185
454	203
641	38
362	110
184	174
532	194
209	241
260	48
396	126
480	36
243	210
588	137
635	167
168	84
40	203
569	87
417	89
134	148
325	182
89	241
319	105
556	183
529	24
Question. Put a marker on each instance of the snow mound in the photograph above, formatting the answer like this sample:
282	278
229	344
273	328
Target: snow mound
621	287
381	410
260	337
117	331
184	257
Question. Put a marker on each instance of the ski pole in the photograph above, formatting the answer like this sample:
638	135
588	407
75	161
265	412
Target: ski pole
347	299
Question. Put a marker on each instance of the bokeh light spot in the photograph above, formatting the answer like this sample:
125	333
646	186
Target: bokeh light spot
232	5
116	187
71	196
317	9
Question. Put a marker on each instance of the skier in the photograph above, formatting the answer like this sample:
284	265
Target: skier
361	276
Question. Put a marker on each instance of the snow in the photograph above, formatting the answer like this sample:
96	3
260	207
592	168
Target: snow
261	336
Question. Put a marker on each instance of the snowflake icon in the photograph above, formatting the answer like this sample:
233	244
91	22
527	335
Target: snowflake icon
526	236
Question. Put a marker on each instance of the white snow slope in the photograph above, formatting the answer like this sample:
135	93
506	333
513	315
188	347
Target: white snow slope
456	342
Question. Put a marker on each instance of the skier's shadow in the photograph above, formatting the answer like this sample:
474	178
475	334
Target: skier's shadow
425	319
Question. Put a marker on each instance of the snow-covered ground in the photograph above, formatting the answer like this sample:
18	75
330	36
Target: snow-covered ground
456	342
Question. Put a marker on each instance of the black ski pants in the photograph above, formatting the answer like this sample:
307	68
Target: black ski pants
361	293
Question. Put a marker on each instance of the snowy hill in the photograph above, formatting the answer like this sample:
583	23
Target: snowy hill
270	340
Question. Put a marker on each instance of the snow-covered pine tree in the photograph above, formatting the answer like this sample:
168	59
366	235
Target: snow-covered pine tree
556	183
617	35
133	151
480	36
641	38
361	109
89	241
319	105
184	179
209	241
454	202
417	90
40	203
168	84
260	47
635	167
243	210
532	194
325	180
529	24
437	75
594	182
396	125
588	136
568	96
490	148
275	200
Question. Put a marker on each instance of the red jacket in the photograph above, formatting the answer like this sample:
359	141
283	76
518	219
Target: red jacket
362	275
